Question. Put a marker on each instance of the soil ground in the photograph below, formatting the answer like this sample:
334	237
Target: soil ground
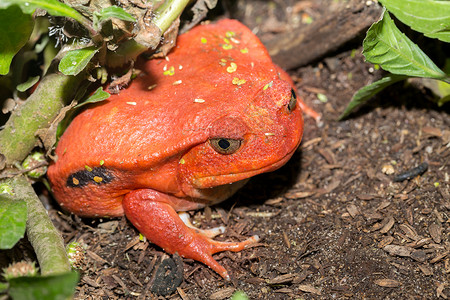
333	222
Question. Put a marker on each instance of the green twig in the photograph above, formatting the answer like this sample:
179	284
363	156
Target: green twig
43	236
169	12
18	137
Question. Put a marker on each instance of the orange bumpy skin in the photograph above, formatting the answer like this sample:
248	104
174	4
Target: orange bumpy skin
188	132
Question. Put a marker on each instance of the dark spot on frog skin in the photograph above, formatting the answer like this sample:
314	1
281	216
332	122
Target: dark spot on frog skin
100	175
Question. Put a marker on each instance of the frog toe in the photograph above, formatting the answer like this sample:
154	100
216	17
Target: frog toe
210	233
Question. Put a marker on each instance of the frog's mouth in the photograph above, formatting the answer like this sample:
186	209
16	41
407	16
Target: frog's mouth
215	181
216	188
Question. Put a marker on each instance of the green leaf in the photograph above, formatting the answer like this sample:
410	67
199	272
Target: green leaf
430	17
239	295
367	92
444	90
13	220
76	60
55	287
3	287
28	84
15	30
97	96
387	46
114	12
53	7
439	88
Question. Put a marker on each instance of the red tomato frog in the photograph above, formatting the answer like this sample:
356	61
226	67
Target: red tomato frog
188	132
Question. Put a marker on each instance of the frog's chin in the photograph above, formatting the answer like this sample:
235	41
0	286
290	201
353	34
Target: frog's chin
218	193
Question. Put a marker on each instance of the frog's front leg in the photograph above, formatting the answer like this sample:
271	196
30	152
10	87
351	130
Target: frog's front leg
153	213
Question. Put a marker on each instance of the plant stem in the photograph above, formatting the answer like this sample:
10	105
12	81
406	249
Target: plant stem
165	15
18	137
168	12
43	236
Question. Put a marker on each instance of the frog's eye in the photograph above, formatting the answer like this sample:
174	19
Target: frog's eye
292	102
224	145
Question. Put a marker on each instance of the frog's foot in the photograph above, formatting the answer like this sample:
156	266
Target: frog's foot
212	232
309	111
153	215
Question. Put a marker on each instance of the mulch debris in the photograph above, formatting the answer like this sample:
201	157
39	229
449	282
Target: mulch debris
334	222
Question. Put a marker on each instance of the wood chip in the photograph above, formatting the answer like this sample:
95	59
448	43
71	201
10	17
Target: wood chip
398	250
95	257
301	277
366	196
376	226
432	131
274	201
435	232
330	187
90	281
426	270
440	290
120	282
135	280
372	215
282	279
383	205
311	142
284	290
286	240
182	294
409	231
108	227
388	223
298	195
385	241
133	242
353	210
419	255
409	215
309	289
388	283
419	243
328	155
255	280
222	294
439	257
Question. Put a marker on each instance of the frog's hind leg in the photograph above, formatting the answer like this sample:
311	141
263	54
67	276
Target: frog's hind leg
153	215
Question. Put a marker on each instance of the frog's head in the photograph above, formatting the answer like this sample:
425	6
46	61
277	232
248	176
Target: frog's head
252	138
